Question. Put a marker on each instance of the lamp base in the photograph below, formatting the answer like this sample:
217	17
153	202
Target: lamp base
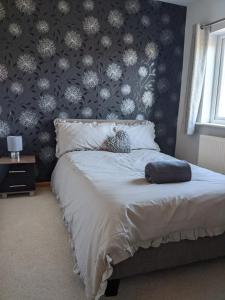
15	155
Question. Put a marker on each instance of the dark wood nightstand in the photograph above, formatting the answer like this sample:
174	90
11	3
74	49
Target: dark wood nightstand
17	176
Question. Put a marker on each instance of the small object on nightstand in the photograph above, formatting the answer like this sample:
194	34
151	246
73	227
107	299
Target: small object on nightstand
15	145
17	176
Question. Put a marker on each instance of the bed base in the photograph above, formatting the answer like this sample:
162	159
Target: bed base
112	288
166	256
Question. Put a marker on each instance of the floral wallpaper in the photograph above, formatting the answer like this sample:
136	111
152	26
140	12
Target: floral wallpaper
87	59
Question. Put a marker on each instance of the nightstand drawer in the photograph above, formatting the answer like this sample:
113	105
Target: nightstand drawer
16	188
17	177
16	172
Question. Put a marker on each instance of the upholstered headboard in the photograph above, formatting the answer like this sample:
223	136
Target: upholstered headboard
127	122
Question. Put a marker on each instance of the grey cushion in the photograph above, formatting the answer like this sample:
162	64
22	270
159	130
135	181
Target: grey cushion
168	171
119	143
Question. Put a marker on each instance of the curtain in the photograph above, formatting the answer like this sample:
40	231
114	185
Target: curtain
197	75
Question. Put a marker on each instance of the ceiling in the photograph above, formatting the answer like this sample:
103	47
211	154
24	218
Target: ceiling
180	2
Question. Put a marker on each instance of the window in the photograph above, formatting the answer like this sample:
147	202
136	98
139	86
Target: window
218	92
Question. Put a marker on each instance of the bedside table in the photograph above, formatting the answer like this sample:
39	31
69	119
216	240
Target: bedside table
17	176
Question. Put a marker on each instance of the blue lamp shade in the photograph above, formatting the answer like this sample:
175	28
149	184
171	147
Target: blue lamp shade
14	143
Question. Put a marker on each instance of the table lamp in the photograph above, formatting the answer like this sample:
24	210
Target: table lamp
15	145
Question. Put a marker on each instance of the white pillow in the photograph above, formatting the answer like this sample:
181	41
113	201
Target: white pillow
142	136
81	136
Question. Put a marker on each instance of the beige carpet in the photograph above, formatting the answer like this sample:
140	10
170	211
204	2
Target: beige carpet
36	261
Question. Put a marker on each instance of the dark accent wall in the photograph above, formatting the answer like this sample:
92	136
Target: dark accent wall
87	59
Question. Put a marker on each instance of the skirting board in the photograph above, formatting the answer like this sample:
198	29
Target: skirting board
43	184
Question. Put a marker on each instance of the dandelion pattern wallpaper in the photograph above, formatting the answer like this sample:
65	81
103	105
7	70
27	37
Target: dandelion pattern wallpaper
114	59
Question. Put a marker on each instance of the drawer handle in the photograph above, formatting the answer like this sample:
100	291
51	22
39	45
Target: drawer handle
17	185
15	172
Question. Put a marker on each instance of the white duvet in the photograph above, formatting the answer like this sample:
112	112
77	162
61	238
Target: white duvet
111	210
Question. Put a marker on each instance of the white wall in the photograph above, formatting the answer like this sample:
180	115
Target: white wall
199	11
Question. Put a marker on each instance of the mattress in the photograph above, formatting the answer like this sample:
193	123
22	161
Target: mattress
111	211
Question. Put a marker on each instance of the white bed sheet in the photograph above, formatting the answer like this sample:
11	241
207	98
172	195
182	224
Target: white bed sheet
111	210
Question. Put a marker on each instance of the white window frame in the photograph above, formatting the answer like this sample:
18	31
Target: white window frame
217	79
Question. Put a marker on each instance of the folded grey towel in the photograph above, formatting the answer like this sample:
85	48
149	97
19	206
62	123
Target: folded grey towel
168	171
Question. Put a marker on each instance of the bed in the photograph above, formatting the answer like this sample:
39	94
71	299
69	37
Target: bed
120	225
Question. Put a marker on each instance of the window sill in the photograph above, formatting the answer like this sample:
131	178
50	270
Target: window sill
212	125
212	129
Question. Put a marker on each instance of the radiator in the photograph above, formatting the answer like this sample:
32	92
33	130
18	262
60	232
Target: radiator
212	153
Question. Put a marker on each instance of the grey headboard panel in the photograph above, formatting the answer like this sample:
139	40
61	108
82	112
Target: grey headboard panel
128	122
